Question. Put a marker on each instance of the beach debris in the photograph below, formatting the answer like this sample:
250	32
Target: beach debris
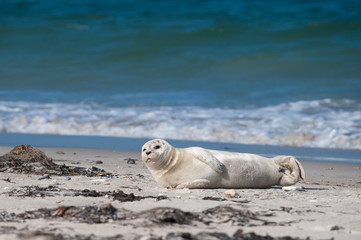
87	193
52	191
224	199
67	178
231	193
124	197
253	236
60	152
336	228
51	235
151	217
46	176
130	160
6	179
161	196
98	180
86	214
96	162
331	168
198	236
155	217
35	191
24	234
27	159
235	216
214	198
166	215
286	209
293	188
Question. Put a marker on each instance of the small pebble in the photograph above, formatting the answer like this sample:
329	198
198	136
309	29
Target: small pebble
231	193
293	188
336	228
44	177
98	180
67	178
130	161
96	162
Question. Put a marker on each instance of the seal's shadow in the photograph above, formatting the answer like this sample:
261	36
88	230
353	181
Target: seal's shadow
303	189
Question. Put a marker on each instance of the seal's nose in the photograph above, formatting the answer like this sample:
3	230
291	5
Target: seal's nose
149	152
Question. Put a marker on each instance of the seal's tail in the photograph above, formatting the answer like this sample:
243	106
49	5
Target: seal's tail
291	168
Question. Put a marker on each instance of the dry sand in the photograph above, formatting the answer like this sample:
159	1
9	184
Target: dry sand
328	207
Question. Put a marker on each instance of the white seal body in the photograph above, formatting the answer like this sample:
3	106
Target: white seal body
202	168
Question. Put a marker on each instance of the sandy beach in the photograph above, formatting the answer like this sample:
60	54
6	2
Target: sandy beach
85	84
129	204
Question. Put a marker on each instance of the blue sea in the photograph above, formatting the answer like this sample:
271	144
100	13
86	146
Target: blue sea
284	73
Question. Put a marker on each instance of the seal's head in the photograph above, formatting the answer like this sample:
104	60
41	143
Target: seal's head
155	153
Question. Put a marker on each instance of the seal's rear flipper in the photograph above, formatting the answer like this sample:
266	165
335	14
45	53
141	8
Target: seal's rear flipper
291	168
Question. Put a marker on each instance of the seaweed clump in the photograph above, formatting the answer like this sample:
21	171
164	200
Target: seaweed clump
29	160
155	217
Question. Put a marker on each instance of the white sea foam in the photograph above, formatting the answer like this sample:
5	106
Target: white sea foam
323	123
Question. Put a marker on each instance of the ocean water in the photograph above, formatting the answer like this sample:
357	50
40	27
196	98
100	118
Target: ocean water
254	72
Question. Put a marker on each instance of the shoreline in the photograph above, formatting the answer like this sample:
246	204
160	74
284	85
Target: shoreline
327	207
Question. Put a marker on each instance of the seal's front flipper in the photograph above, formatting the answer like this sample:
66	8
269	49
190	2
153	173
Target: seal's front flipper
207	157
198	183
291	168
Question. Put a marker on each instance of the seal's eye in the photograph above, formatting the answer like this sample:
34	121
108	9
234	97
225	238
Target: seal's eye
143	149
157	147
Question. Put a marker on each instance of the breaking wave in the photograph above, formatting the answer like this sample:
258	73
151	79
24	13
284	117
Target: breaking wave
318	123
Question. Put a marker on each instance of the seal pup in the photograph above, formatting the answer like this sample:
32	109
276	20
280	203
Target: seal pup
197	167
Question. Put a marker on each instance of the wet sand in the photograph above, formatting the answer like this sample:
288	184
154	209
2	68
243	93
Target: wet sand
129	204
